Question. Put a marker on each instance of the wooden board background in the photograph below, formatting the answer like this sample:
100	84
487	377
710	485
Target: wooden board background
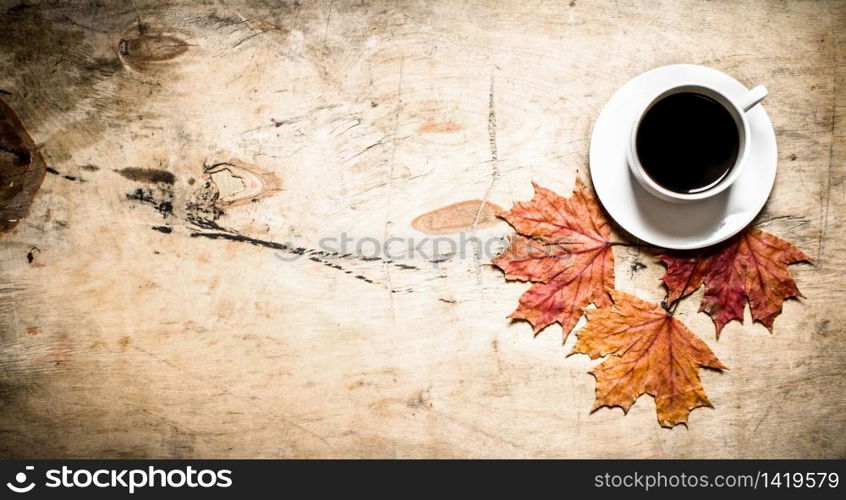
324	117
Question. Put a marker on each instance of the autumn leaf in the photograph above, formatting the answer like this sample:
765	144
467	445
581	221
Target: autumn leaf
563	246
751	267
649	352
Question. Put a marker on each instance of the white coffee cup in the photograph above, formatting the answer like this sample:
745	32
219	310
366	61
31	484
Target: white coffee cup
736	107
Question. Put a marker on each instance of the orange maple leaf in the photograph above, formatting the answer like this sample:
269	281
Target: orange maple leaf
751	267
649	352
563	246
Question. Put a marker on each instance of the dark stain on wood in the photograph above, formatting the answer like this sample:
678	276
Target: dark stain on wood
201	209
160	199
30	256
822	327
457	217
636	267
147	175
22	168
73	178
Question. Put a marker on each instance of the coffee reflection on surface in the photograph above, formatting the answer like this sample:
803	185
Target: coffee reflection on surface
687	142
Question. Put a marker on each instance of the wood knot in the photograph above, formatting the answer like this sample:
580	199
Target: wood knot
146	50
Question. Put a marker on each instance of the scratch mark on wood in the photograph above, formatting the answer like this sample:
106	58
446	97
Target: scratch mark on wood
250	37
328	18
826	191
319	256
494	176
228	392
391	175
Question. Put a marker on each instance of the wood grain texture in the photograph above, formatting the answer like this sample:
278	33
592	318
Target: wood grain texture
201	318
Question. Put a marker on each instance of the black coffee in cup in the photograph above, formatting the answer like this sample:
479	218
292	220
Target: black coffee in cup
687	142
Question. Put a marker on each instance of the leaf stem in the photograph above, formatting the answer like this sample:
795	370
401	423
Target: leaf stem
684	292
673	307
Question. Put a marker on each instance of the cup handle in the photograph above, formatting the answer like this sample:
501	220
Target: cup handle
752	98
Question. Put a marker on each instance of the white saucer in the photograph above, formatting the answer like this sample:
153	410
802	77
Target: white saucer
674	225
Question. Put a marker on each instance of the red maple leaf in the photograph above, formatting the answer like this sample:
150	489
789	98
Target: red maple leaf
751	266
563	246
